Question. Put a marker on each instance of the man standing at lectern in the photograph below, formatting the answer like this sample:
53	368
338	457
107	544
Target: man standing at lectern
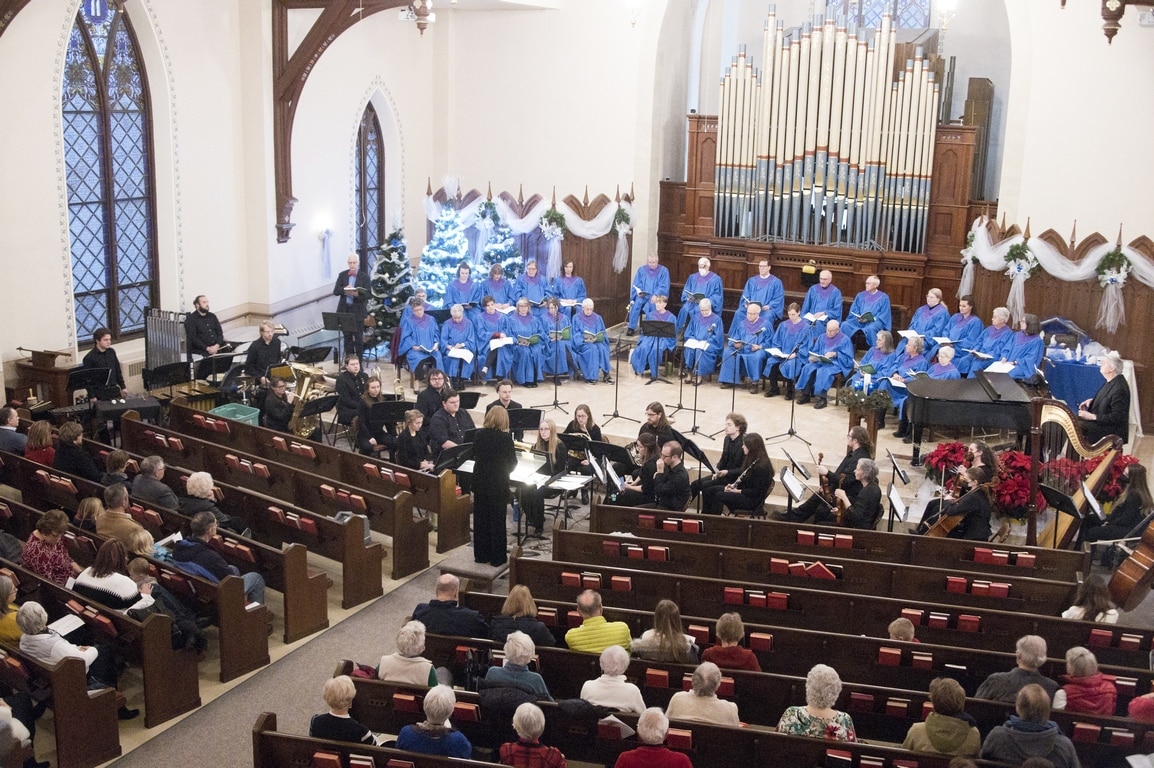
353	289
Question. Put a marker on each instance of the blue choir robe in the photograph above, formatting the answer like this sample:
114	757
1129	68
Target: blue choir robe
766	291
452	334
878	305
818	300
905	364
569	288
468	292
1026	352
501	291
822	374
736	363
786	338
884	363
964	332
994	342
556	353
651	282
420	332
407	312
650	349
591	357
929	322
535	289
488	325
711	329
710	286
524	364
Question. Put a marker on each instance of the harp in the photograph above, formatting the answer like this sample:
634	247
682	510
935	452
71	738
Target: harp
1060	453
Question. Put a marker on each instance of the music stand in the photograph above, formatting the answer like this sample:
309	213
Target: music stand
897	507
319	405
692	449
798	468
733	389
658	329
621	340
314	355
93	380
612	452
212	367
469	400
1061	502
166	376
343	322
795	489
523	420
453	458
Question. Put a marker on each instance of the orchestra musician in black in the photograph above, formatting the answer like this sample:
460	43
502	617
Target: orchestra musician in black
858	447
865	508
963	514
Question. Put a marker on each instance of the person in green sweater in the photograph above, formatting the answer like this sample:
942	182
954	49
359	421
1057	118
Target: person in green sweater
948	729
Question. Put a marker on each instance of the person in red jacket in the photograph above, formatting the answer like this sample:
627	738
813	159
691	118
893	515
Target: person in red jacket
728	653
1085	689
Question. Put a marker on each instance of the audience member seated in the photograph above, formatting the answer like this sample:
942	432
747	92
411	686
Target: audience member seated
818	718
201	498
519	613
443	616
71	456
406	665
1086	689
413	443
612	690
88	511
595	633
186	634
1004	686
106	581
728	653
701	703
652	727
515	672
47	646
116	469
9	629
948	729
149	484
529	723
665	641
434	736
115	522
196	551
1030	733
45	553
1141	708
1093	600
336	724
40	447
18	723
11	439
902	629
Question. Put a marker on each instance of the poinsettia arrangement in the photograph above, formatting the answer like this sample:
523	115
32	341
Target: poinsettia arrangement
942	460
1012	492
1111	488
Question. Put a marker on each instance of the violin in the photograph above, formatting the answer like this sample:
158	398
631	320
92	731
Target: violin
838	506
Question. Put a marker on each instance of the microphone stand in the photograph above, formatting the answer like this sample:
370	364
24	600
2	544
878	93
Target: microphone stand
696	430
791	432
617	388
733	392
556	406
680	387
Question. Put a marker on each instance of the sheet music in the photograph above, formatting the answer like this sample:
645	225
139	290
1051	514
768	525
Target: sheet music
943	340
1000	367
502	342
462	353
507	310
909	334
778	353
702	345
897	383
811	317
897	506
978	354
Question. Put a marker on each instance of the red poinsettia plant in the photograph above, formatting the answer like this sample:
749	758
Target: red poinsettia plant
1111	488
942	460
1012	492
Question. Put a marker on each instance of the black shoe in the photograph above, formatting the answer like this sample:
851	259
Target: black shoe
531	385
908	439
900	433
124	713
819	404
773	390
802	398
754	386
584	495
631	332
608	379
726	385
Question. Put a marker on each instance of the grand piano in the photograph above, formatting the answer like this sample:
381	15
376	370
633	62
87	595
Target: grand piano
991	400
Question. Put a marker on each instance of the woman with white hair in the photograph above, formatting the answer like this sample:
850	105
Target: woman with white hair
701	703
407	665
991	344
529	723
652	728
435	736
611	689
200	498
818	718
1108	411
336	724
1086	689
519	650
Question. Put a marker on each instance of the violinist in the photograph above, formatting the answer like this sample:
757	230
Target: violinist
965	514
857	447
864	509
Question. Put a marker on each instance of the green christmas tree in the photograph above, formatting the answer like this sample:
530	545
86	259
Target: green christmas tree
391	284
502	249
446	250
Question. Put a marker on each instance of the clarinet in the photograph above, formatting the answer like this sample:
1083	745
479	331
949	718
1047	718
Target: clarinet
737	483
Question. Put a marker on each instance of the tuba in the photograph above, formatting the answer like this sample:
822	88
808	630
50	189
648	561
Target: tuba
308	385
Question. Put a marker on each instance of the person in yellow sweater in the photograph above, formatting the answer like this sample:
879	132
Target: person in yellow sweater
595	633
9	632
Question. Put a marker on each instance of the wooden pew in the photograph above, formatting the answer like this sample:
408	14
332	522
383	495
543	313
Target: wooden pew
390	515
171	682
1055	564
436	494
86	728
828	611
910	582
242	633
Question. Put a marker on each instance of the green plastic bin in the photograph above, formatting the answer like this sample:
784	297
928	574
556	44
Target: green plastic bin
238	412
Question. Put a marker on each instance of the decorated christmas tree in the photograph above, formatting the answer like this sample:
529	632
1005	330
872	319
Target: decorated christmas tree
391	284
502	249
446	250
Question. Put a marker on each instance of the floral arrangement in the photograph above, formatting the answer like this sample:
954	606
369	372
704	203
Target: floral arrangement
1020	260
621	221
942	460
488	212
858	400
553	225
1113	269
968	253
1012	492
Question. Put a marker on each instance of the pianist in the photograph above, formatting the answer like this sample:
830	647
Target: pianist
102	355
203	330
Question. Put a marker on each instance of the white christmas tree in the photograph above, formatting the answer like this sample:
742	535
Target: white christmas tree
441	257
502	249
391	283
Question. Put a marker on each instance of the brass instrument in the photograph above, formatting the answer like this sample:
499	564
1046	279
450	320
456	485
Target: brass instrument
308	385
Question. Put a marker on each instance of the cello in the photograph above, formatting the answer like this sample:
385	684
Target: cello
1132	579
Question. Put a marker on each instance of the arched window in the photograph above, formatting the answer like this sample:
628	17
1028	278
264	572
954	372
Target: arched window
906	14
369	187
111	186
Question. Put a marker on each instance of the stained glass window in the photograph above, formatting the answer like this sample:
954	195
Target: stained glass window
906	14
369	187
108	158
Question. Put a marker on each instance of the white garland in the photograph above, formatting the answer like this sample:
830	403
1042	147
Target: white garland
599	226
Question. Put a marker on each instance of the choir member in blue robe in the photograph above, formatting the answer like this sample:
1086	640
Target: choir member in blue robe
650	280
766	290
1026	349
651	349
703	282
707	326
523	360
943	369
912	360
590	354
823	301
532	286
881	357
964	329
498	287
817	377
870	303
420	337
744	355
791	334
555	326
930	320
459	333
423	296
570	289
993	341
489	326
464	291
